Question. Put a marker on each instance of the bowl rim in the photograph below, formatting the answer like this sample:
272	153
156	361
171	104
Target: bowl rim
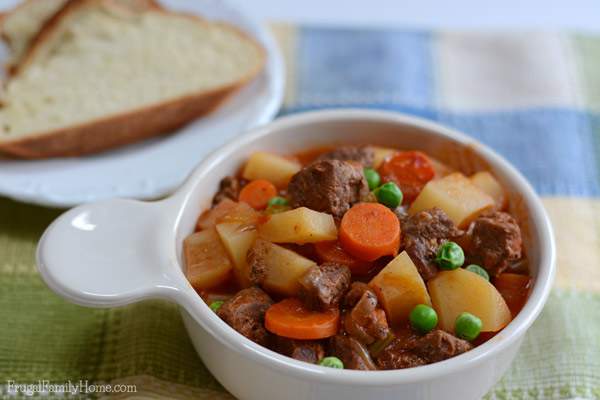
230	338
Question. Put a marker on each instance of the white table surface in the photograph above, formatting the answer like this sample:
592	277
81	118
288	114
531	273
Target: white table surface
581	15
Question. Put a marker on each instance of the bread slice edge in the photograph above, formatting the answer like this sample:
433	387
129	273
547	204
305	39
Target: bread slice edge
119	129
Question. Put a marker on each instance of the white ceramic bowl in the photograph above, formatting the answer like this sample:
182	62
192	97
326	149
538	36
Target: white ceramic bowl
121	251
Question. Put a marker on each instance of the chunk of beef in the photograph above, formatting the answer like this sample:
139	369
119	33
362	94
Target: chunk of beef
245	312
310	351
361	154
353	354
423	234
330	186
229	188
256	257
397	356
436	346
495	242
356	291
323	286
366	322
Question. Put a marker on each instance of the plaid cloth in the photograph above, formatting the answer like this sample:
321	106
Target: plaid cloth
533	97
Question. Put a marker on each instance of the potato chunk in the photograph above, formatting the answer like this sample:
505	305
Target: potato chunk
400	288
227	211
300	225
454	292
274	168
238	238
381	153
280	268
456	195
490	185
206	261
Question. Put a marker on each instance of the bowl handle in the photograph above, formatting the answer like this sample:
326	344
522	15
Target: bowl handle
114	253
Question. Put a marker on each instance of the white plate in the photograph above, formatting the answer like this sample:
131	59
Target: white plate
155	167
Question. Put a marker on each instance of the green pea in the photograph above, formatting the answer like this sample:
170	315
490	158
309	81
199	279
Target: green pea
467	326
373	178
423	318
215	305
277	201
478	270
331	362
277	204
389	194
450	256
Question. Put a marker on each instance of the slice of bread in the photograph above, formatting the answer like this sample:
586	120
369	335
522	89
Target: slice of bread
19	26
100	75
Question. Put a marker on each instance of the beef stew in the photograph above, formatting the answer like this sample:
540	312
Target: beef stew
360	257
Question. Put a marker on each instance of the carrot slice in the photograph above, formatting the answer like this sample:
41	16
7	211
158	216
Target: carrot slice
514	288
334	253
258	193
410	170
292	319
369	231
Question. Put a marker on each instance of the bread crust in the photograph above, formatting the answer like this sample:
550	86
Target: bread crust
130	126
118	130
